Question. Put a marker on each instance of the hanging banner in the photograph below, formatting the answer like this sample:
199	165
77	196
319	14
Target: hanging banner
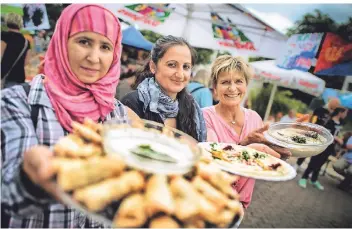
300	52
149	15
335	57
228	35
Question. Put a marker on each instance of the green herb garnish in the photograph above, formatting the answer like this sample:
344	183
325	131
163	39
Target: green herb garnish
257	155
148	152
212	145
245	155
299	139
311	134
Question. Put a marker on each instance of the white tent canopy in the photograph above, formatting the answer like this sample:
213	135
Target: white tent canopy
267	71
231	28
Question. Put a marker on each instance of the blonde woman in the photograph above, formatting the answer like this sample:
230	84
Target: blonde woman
14	51
228	122
199	88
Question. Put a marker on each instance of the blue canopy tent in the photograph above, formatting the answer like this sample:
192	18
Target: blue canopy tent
345	98
132	37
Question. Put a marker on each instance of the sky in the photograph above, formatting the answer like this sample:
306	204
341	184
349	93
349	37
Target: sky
283	16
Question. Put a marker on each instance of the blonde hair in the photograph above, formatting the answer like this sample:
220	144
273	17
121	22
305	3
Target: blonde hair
14	21
227	63
202	76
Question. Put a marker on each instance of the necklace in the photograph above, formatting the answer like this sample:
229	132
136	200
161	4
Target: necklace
233	122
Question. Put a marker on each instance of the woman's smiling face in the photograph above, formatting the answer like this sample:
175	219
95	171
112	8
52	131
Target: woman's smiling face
231	88
173	70
90	56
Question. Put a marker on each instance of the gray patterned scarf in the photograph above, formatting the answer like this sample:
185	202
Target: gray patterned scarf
150	93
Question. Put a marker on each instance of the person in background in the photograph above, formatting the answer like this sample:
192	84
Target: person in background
15	52
39	42
316	162
343	165
229	122
161	93
290	117
278	116
81	72
271	120
125	85
320	116
46	40
199	88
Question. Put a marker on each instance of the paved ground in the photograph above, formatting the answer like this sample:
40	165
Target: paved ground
285	204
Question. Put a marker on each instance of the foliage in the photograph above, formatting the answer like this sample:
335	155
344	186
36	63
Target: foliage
283	101
204	55
54	12
37	17
318	22
150	35
257	58
25	14
223	52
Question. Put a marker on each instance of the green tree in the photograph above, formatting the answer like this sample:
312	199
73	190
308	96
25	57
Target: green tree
257	58
283	101
150	35
203	55
319	22
316	22
54	12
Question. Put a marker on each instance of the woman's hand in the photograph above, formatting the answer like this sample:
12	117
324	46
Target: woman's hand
39	167
265	149
257	136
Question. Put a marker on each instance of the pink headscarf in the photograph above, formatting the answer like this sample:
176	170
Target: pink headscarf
72	99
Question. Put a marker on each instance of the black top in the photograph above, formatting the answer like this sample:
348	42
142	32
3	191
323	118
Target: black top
15	44
131	100
323	116
334	129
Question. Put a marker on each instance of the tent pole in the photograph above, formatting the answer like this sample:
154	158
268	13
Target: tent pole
271	100
190	9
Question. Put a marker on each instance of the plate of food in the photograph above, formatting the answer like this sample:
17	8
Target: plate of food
248	162
302	139
110	189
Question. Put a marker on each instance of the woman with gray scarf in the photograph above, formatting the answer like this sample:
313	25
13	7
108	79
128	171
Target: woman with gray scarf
161	94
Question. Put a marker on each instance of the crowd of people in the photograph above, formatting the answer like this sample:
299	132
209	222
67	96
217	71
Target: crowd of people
80	78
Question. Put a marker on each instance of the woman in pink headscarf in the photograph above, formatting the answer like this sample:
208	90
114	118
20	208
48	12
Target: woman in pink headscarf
81	73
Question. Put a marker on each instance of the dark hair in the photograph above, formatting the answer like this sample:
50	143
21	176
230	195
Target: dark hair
337	111
12	26
186	112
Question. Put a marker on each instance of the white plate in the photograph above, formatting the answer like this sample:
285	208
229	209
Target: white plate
247	170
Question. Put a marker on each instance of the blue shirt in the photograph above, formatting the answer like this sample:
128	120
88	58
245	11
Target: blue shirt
348	155
202	96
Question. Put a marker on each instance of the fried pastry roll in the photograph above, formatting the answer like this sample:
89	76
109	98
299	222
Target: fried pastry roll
86	132
96	127
163	222
158	196
212	194
131	212
74	174
96	197
195	222
69	145
219	179
186	198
